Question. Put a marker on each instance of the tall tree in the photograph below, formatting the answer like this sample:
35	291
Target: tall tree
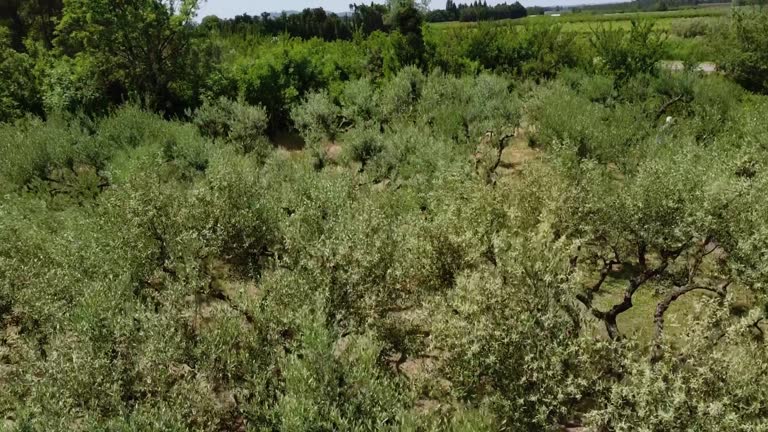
407	17
144	45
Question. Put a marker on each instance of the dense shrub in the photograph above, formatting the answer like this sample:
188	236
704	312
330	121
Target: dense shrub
399	95
280	75
594	130
72	85
19	91
359	102
443	105
318	119
526	391
694	388
531	52
362	145
236	123
30	147
470	107
744	58
714	100
596	88
547	49
625	54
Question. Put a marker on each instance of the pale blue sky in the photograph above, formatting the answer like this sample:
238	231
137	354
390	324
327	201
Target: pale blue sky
230	8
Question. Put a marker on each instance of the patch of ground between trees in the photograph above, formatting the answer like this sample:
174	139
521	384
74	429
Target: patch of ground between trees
288	141
677	66
516	153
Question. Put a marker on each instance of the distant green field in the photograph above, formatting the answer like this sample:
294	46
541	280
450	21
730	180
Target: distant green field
586	18
695	49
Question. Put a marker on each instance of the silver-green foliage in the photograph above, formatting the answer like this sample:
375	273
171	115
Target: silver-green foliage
318	119
241	125
208	287
703	384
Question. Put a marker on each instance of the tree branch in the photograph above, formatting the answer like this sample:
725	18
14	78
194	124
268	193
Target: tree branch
666	106
667	256
663	306
587	296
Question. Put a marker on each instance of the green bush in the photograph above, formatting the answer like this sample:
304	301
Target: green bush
19	85
714	100
359	102
625	54
535	51
596	88
214	119
492	107
746	129
351	392
693	388
744	57
30	149
468	108
278	76
248	130
72	85
562	117
533	368
362	146
443	104
236	123
545	50
399	95
409	153
318	119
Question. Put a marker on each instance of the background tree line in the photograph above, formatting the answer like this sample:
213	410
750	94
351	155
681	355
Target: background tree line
476	11
309	23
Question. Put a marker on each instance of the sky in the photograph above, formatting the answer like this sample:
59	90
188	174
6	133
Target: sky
230	8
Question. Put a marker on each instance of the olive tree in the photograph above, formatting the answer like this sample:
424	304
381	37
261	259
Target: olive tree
665	227
237	123
510	337
707	383
318	118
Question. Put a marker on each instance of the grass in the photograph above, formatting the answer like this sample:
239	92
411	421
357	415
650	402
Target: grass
696	49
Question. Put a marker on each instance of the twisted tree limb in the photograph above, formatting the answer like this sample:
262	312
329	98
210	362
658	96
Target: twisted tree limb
645	274
663	306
